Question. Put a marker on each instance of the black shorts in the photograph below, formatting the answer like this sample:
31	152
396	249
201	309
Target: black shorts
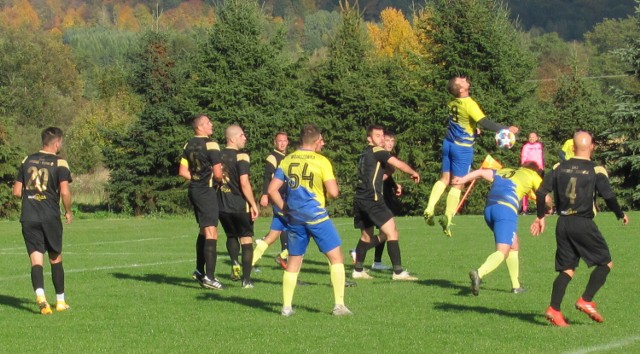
578	237
369	213
205	206
237	224
42	236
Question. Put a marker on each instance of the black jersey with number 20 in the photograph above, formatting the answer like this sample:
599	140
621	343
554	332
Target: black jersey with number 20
40	175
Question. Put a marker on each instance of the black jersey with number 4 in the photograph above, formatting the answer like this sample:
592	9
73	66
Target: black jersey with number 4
371	168
40	175
574	184
201	153
234	165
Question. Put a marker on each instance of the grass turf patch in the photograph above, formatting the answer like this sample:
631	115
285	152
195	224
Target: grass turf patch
129	284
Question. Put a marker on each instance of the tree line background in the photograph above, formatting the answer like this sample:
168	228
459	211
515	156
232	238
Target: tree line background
123	80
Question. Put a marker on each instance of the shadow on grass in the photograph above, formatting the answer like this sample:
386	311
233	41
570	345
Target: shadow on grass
271	307
531	317
20	304
463	290
186	282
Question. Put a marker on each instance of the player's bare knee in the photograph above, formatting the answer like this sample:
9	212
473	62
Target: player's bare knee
55	258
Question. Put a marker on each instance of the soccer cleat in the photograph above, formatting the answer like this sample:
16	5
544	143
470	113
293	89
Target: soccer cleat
360	275
590	309
475	282
380	266
428	218
287	311
235	272
281	262
45	309
197	276
341	310
404	275
555	317
247	284
62	306
519	290
350	284
212	284
444	222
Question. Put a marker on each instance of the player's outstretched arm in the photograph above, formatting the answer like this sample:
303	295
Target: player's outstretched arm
485	173
402	166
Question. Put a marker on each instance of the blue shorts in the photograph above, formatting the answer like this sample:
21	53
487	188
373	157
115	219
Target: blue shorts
456	159
503	221
324	233
278	223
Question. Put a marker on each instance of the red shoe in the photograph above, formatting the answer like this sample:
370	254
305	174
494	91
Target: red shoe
555	317
281	262
590	309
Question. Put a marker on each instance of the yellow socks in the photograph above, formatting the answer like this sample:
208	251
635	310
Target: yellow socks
513	265
284	254
289	281
436	193
261	247
453	199
492	262
337	280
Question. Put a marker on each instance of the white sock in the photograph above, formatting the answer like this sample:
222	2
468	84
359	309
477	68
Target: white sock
39	292
60	297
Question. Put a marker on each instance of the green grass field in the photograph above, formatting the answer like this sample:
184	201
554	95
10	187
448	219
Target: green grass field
129	284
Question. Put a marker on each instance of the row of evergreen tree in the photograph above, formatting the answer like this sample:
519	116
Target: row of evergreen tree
240	71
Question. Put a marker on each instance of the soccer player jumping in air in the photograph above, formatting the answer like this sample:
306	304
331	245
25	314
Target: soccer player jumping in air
457	148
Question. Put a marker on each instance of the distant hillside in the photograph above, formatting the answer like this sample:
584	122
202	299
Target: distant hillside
569	18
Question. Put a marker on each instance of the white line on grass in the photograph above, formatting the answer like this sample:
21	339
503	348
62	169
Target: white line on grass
126	241
607	346
103	242
81	270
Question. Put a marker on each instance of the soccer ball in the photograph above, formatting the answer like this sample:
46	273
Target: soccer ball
505	139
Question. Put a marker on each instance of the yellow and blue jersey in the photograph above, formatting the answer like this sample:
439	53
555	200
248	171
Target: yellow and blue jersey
567	150
511	184
304	173
464	114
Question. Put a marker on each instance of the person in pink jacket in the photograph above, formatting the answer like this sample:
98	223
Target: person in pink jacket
532	151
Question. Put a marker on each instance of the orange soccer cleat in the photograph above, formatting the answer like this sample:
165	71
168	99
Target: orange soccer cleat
590	309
